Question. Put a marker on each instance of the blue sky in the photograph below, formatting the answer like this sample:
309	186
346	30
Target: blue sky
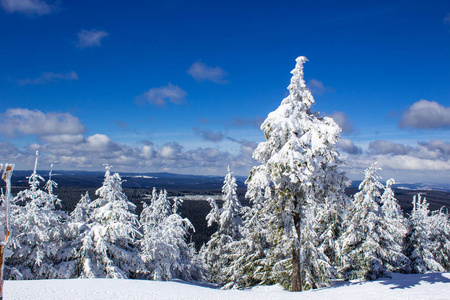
182	86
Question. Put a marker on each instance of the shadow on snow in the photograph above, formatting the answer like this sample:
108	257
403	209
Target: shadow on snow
402	281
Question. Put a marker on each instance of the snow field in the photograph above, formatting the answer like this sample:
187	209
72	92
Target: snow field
434	286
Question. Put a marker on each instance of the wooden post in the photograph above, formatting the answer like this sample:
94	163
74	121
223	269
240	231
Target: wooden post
7	178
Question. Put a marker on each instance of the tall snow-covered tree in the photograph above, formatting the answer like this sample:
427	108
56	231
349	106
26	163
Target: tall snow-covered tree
419	246
40	236
109	248
440	238
164	249
79	225
247	257
216	252
395	225
300	160
367	246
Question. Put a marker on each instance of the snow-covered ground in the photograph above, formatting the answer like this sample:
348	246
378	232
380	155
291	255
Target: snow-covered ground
400	286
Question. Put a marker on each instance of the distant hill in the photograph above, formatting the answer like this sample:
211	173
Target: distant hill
132	180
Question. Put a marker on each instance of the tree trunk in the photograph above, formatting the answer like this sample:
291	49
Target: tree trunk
296	284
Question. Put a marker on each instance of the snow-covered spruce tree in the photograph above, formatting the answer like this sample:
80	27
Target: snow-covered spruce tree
440	238
395	225
317	271
79	225
418	244
215	253
329	216
299	159
368	247
82	211
40	235
164	249
247	256
109	249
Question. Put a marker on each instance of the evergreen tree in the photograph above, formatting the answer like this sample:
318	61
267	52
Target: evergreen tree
368	247
216	253
164	248
82	211
419	246
299	159
40	235
440	238
395	225
317	270
248	254
109	248
79	224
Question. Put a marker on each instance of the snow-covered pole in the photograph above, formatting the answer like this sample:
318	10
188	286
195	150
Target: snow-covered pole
7	173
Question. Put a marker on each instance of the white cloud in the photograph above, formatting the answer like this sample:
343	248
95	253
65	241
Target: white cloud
426	114
148	152
47	77
64	138
406	162
388	147
20	121
29	7
160	95
91	38
97	149
348	146
342	120
200	72
170	151
425	162
97	143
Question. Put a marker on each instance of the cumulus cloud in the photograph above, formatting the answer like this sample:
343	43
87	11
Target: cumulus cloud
97	149
20	121
63	138
28	7
342	120
61	142
388	147
170	151
47	77
201	72
161	95
348	146
426	114
97	143
406	162
208	135
91	38
148	151
426	161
